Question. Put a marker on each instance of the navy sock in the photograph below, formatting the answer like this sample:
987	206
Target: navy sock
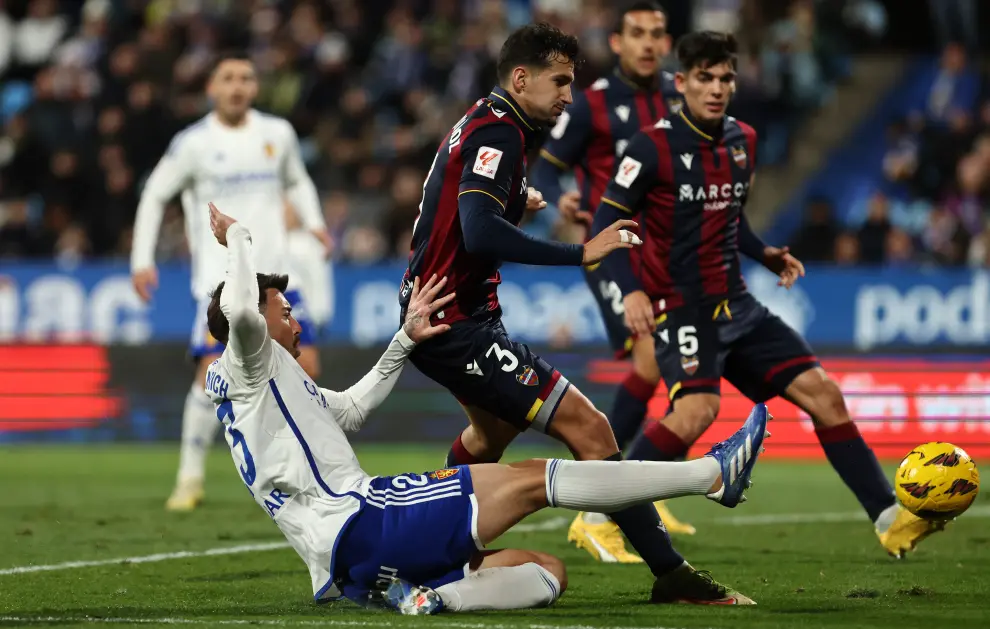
857	466
642	527
658	443
629	408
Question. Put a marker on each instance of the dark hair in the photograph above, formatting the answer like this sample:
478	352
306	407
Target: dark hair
706	49
230	55
535	45
217	321
634	7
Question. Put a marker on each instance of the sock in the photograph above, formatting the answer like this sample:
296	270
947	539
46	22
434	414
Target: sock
658	443
613	480
594	518
629	408
857	466
608	486
199	428
886	518
517	587
459	455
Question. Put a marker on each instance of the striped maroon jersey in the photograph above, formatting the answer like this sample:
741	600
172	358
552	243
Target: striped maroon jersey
690	185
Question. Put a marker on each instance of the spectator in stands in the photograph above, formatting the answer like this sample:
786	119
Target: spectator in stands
815	242
847	249
873	233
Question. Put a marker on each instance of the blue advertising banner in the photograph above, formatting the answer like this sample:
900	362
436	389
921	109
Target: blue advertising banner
855	308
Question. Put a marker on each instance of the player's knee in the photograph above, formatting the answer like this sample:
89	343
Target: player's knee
829	404
555	566
697	412
583	428
528	484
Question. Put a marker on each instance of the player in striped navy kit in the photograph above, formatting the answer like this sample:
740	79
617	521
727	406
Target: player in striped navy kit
689	176
588	137
473	199
416	542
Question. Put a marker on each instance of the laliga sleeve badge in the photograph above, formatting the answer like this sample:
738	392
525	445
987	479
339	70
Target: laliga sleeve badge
690	364
528	377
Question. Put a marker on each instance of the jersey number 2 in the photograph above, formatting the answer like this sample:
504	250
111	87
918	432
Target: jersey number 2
225	413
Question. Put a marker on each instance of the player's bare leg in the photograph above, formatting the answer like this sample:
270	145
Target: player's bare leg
627	417
483	441
819	396
199	429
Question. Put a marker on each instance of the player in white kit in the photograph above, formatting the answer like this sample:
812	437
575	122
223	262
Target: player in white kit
251	162
415	542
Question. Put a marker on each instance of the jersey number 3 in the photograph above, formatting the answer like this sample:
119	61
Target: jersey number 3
225	413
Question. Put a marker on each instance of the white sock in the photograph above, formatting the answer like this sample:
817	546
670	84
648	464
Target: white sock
595	518
886	518
518	587
199	428
610	486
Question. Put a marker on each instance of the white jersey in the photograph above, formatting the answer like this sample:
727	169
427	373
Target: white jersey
248	172
285	434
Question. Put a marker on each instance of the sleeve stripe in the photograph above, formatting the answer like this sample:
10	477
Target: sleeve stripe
499	201
618	205
545	154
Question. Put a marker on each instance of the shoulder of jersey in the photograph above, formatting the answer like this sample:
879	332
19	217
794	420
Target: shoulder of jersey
744	128
189	133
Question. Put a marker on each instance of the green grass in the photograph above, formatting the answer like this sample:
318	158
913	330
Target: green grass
61	504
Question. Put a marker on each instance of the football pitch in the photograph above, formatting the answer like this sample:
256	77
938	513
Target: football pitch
87	543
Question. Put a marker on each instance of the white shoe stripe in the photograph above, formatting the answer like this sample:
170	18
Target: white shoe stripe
749	448
603	555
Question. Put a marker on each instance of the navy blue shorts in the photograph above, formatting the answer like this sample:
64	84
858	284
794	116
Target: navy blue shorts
202	343
483	367
738	339
609	299
422	528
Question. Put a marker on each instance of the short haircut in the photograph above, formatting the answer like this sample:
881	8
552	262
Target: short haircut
217	321
230	55
535	45
633	7
706	49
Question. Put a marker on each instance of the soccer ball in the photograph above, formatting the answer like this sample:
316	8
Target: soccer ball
937	481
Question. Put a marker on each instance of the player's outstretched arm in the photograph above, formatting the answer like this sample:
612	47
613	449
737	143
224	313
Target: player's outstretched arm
172	173
352	407
240	297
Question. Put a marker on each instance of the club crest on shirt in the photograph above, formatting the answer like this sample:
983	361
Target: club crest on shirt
674	105
443	474
269	150
739	155
690	364
528	377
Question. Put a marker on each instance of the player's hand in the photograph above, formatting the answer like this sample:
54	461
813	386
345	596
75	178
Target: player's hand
639	313
326	240
570	208
534	200
615	236
422	304
145	283
220	223
787	267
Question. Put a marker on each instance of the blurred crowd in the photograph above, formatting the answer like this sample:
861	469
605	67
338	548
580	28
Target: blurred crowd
91	93
933	203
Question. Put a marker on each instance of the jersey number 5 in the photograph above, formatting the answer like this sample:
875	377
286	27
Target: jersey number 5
225	413
687	339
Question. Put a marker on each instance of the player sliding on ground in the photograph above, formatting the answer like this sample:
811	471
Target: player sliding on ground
414	541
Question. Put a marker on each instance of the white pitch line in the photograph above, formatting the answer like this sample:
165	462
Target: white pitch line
386	621
550	524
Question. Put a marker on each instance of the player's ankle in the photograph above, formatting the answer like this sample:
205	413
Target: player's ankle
717	485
